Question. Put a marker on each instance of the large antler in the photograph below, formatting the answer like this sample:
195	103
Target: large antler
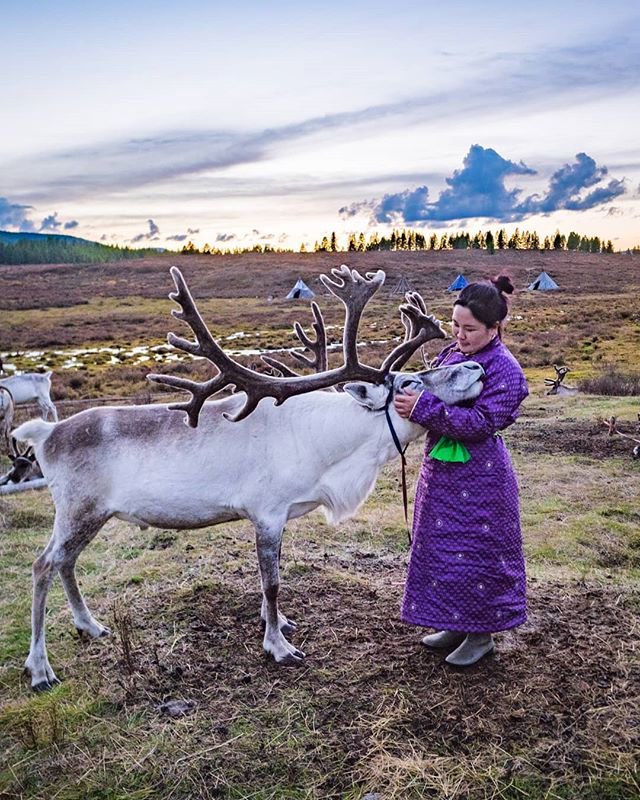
352	289
561	374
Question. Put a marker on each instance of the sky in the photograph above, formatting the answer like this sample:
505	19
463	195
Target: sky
233	124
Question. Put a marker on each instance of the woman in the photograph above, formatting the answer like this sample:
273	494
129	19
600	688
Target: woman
466	572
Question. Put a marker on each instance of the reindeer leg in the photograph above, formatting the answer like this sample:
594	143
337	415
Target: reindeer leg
287	626
82	617
47	409
268	538
37	663
59	555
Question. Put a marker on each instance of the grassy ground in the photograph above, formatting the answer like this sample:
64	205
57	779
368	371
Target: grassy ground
554	714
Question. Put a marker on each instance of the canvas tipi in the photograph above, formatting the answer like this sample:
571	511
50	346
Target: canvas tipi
300	291
543	283
459	283
402	287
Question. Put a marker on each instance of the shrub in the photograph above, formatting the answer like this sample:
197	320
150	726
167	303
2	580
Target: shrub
612	381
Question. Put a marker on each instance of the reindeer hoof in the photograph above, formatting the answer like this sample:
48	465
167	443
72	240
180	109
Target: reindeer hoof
293	659
98	633
44	686
288	627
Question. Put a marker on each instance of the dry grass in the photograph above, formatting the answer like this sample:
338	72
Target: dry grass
590	322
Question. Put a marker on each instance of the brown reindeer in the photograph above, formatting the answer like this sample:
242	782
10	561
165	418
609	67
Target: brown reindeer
24	465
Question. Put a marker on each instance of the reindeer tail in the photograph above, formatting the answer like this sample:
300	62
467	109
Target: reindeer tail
34	432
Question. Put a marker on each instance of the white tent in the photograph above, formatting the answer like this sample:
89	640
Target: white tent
300	291
402	287
543	283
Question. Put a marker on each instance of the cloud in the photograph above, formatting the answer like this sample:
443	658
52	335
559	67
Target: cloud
225	237
478	190
50	223
14	215
181	237
553	76
567	182
152	235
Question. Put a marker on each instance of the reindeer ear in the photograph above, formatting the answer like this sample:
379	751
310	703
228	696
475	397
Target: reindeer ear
367	394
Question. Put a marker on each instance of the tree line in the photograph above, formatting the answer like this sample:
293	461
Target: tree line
56	250
408	239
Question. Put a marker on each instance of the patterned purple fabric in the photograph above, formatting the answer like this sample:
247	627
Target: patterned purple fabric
466	571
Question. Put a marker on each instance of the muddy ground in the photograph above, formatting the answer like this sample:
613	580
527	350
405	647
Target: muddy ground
558	689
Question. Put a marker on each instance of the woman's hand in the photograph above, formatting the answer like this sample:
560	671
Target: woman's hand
405	401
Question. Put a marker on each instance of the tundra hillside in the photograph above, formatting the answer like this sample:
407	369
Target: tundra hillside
371	712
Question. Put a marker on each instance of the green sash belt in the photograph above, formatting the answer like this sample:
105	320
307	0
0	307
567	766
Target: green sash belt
449	450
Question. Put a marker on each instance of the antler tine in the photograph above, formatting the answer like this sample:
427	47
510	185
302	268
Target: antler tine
318	361
15	451
419	326
354	291
278	368
199	393
318	347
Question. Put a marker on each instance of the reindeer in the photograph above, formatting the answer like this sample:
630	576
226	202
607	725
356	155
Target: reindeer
611	425
7	411
555	384
240	457
24	465
32	387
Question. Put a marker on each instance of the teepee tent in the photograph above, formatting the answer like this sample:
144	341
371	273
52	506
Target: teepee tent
402	287
543	283
459	283
300	291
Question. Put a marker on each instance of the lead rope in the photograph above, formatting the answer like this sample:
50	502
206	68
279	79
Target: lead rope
402	451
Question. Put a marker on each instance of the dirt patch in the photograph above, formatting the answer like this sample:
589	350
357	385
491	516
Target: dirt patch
557	702
568	437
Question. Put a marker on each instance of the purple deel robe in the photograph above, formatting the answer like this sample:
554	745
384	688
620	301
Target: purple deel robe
466	571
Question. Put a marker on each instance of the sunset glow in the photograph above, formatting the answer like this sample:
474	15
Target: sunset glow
233	124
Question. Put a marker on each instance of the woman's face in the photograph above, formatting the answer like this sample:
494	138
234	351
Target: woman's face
471	334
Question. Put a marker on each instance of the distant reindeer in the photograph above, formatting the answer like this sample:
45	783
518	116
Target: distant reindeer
32	387
611	425
24	465
244	456
7	411
556	385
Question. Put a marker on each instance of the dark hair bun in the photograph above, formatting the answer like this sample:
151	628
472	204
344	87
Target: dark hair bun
503	284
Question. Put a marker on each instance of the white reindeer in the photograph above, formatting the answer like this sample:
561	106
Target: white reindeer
7	411
32	387
556	385
246	459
